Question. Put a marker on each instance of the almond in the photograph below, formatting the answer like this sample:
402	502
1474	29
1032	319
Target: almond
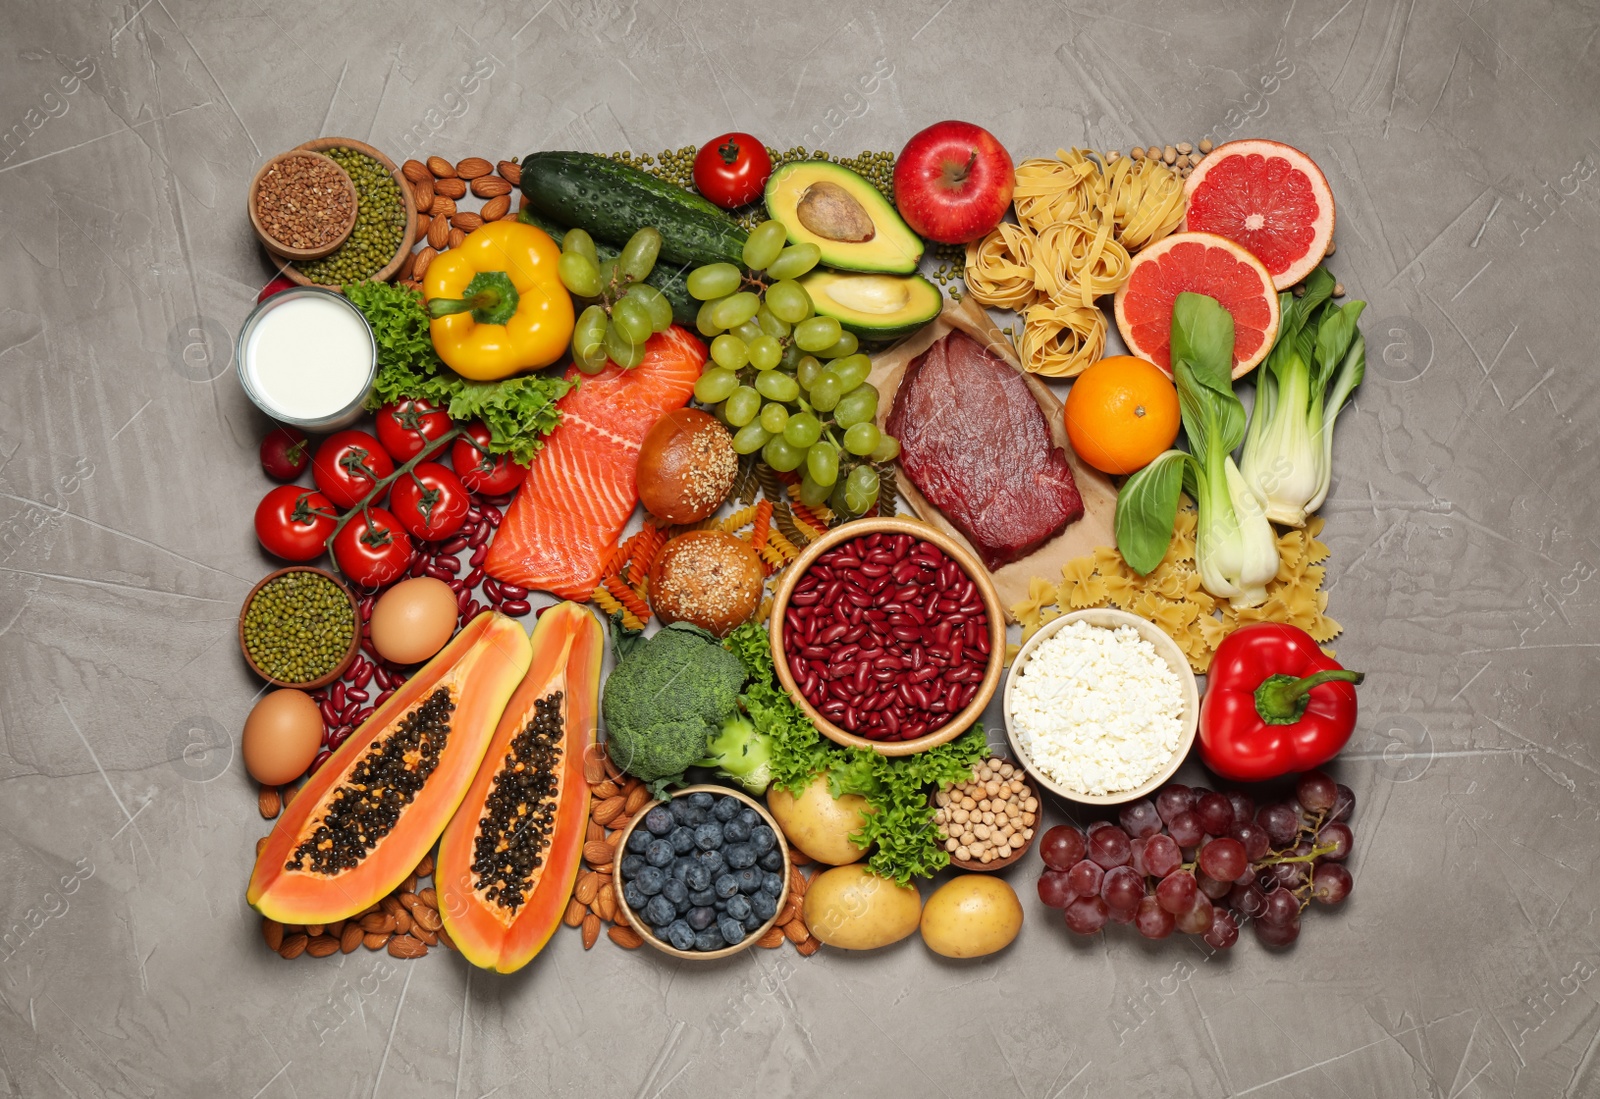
424	222
414	170
605	902
798	857
490	187
796	932
315	929
261	845
630	785
790	910
635	800
773	937
594	767
294	946
597	852
323	946
351	938
608	810
591	930
404	946
422	196
455	238
611	767
293	928
403	272
269	802
408	886
272	931
375	940
595	832
377	923
419	266
625	937
466	221
409	899
511	173
287	793
426	918
607	790
429	897
588	885
496	208
445	939
450	188
424	868
438	233
424	935
605	868
619	824
441	167
403	923
473	167
797	882
336	928
574	915
391	904
443	206
809	947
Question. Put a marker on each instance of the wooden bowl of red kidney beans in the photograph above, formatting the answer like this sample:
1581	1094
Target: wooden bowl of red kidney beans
889	635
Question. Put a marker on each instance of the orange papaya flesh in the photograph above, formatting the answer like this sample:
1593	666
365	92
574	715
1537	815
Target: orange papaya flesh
376	806
510	856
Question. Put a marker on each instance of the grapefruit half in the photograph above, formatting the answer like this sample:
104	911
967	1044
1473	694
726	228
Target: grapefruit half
1267	196
1202	263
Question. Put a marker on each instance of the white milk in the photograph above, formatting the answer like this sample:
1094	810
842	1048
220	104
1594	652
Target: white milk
308	358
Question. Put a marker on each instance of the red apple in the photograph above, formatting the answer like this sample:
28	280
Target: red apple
953	182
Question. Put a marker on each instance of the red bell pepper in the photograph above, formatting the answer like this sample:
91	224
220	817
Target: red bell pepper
1275	704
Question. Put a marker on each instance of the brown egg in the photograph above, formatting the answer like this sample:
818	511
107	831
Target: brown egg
686	466
281	737
413	620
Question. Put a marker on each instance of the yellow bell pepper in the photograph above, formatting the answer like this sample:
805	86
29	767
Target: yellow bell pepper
498	308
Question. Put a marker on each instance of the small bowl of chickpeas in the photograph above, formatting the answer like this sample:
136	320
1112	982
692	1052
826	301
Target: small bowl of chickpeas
990	821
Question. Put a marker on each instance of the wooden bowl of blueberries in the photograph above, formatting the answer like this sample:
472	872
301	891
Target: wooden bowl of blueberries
703	874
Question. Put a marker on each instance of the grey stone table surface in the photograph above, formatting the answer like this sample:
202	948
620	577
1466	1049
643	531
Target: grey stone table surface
1460	139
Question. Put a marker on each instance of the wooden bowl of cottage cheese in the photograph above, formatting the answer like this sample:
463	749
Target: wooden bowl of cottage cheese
1101	706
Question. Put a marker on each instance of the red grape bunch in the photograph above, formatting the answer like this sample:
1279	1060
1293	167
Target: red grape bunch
1203	862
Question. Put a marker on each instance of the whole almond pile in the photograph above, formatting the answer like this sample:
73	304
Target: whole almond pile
615	799
405	923
437	188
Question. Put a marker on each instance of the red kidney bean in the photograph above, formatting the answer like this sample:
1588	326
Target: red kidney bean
366	604
454	545
356	694
516	608
463	597
513	591
474	578
418	564
445	561
480	536
492	515
330	713
474	608
438	573
480	556
475	512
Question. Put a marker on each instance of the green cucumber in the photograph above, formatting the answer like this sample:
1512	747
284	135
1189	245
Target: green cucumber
612	201
668	280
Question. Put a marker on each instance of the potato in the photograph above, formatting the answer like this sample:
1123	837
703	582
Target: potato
818	823
852	909
970	916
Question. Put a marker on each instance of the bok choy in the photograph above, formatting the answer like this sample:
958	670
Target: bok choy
1236	551
1318	359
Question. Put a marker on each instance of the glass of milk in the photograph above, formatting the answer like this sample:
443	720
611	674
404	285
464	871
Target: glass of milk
307	357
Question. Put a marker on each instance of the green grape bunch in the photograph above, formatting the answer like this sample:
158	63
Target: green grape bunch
623	310
792	384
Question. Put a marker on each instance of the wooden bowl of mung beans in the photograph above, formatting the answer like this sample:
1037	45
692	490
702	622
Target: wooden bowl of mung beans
292	624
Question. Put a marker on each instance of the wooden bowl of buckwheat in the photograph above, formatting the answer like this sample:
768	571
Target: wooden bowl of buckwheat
991	821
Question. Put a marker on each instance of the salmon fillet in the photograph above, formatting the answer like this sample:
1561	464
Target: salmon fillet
581	488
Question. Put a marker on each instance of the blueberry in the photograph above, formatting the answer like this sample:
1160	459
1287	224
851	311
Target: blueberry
698	876
710	939
772	860
762	839
749	816
721	905
660	911
659	853
708	837
752	922
702	800
712	861
676	892
738	906
749	880
638	840
659	820
772	884
701	918
682	840
764	905
736	831
739	855
632	864
650	880
732	929
680	809
680	935
704	898
726	886
726	809
635	898
680	870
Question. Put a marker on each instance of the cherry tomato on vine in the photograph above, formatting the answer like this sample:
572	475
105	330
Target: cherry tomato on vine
430	502
732	170
480	471
348	465
409	424
285	453
294	523
372	549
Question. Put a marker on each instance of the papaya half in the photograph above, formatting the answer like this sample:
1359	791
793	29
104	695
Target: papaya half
509	857
375	808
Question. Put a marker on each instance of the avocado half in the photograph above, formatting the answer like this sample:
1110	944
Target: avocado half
874	306
844	215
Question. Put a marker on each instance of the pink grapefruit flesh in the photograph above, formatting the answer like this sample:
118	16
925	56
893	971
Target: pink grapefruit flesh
1267	196
1202	263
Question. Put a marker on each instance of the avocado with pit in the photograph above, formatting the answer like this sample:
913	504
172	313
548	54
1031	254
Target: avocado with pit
874	306
844	215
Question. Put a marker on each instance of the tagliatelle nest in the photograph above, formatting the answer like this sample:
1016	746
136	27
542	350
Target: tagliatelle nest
1172	598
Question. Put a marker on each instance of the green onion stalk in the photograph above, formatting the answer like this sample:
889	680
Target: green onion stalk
1319	358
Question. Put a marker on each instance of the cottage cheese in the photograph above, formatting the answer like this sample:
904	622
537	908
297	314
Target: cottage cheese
1097	710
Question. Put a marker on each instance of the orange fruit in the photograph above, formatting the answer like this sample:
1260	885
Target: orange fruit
1121	413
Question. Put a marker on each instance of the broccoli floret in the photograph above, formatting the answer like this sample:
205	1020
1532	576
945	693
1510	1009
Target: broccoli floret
666	698
741	753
